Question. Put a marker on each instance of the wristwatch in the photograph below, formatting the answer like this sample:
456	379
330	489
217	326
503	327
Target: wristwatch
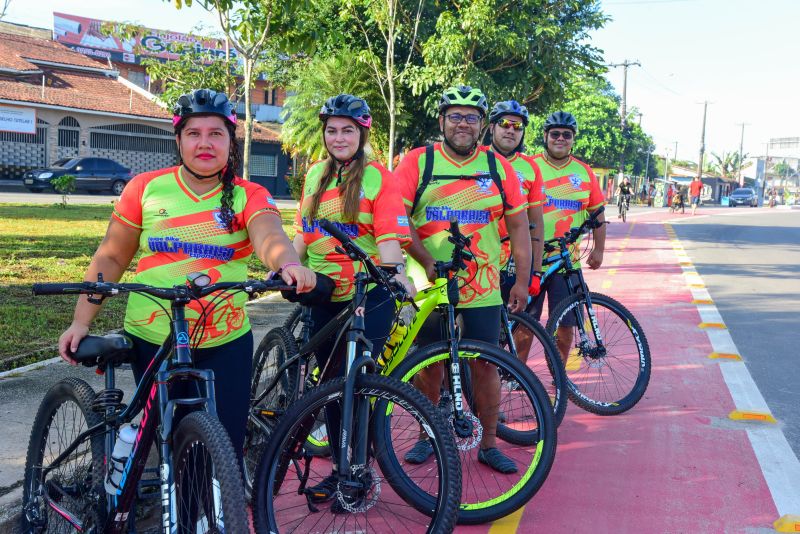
400	268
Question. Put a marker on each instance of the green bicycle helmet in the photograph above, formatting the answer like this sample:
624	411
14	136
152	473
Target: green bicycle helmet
463	95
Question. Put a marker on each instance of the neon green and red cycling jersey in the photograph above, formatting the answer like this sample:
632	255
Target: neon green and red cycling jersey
572	192
477	205
530	178
181	233
381	218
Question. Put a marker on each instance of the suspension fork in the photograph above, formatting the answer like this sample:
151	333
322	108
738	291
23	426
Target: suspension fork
461	424
578	310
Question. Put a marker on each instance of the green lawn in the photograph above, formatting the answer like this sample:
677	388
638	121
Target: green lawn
52	244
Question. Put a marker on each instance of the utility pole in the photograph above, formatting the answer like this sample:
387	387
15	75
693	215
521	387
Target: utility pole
702	142
624	119
741	144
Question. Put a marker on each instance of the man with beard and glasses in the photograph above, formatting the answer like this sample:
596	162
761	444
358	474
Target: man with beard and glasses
459	177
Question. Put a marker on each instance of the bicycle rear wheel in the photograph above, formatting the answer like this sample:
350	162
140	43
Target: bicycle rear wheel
275	349
209	495
605	376
373	500
534	347
76	486
528	438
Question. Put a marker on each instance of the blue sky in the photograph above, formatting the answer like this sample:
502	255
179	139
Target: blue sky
741	55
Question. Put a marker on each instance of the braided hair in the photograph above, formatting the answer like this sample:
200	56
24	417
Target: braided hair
227	175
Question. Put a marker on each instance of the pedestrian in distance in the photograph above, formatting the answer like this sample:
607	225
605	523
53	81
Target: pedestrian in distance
573	193
695	190
460	177
359	195
195	217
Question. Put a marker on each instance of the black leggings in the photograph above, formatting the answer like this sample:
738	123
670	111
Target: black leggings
378	317
480	324
232	365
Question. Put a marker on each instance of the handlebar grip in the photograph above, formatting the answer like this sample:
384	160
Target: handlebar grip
59	289
454	230
331	228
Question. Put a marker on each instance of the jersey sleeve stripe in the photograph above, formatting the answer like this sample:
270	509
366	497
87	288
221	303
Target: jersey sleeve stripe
125	221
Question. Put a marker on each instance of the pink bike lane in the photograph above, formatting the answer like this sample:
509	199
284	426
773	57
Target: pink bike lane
676	462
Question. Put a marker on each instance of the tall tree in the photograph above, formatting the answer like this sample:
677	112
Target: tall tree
727	164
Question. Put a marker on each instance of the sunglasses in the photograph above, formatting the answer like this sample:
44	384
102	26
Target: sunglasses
456	118
505	123
557	135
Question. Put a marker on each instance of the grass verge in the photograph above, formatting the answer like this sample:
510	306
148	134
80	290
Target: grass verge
40	243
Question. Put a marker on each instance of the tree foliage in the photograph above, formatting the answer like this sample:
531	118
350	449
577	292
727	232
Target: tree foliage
727	164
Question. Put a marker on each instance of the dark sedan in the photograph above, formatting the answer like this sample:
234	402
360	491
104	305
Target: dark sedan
91	174
744	196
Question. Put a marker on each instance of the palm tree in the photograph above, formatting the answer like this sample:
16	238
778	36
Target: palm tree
727	165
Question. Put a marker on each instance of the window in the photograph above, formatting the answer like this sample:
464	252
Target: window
271	97
263	165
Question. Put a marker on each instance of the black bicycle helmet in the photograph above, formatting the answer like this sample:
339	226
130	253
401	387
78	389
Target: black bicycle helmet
561	119
203	102
349	106
463	95
508	107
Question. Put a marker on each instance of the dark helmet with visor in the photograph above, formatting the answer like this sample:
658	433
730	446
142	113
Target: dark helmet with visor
349	106
509	107
561	119
203	102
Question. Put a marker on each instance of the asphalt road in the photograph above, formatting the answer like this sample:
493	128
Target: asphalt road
750	262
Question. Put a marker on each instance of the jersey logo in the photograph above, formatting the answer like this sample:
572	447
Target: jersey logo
162	213
484	181
575	180
270	201
402	221
444	213
218	217
520	176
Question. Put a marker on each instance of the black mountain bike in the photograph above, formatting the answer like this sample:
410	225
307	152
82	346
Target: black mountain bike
608	364
74	481
380	420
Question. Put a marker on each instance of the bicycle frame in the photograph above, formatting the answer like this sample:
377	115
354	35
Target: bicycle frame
154	386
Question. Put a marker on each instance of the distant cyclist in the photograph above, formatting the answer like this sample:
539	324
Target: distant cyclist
623	194
459	177
573	193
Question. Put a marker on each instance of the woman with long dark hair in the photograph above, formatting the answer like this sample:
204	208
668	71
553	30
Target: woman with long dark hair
359	196
195	217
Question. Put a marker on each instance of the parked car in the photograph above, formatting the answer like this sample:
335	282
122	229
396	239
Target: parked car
91	174
744	196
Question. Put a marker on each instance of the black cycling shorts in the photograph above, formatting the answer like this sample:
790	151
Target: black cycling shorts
481	324
556	291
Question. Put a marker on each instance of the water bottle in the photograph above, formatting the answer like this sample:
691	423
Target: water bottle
119	456
396	337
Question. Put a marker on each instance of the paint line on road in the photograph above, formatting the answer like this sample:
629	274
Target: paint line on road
612	272
606	284
779	465
508	524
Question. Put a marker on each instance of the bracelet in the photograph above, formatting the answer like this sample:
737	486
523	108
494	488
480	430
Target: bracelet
290	264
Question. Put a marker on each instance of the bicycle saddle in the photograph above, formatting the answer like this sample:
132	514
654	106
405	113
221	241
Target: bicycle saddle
111	349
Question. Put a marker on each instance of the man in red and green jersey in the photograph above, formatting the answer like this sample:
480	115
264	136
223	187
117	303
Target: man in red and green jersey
380	218
572	194
507	122
181	233
458	178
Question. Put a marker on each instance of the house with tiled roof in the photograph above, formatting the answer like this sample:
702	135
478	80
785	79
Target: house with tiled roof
57	103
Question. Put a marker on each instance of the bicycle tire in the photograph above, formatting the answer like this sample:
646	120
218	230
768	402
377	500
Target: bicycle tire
535	446
292	323
204	451
590	387
624	214
543	359
70	396
273	351
279	508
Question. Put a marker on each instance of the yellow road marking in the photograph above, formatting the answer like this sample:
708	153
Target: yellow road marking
612	272
508	524
713	325
606	284
725	356
787	523
702	301
741	415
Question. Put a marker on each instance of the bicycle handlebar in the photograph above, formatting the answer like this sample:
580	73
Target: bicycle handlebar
110	289
574	233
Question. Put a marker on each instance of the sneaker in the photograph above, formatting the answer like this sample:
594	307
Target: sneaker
325	490
421	451
497	460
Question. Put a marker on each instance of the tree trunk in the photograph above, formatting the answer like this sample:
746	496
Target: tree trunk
248	118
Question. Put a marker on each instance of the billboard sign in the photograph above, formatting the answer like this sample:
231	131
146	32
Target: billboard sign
84	35
18	120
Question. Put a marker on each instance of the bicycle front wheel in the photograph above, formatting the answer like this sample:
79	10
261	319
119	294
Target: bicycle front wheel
608	369
372	497
74	488
275	349
209	495
534	347
526	431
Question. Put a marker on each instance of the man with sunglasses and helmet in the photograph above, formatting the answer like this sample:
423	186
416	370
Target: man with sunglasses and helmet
507	122
573	193
460	177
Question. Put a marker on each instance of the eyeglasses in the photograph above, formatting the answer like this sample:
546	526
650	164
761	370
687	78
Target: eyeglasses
556	135
505	123
456	118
